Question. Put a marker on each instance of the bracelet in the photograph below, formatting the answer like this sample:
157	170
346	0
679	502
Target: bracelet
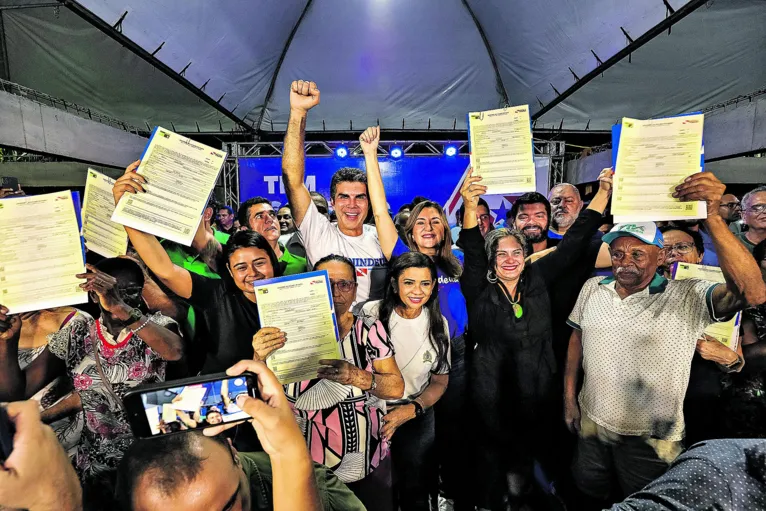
146	322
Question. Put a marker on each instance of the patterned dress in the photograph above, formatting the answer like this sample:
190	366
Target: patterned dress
127	362
342	423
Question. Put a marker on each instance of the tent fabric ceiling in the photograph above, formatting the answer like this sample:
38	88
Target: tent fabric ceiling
388	60
715	54
56	52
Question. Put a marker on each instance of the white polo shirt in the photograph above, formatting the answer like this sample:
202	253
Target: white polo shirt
637	353
322	238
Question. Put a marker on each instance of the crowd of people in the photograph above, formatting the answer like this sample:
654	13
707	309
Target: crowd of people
547	360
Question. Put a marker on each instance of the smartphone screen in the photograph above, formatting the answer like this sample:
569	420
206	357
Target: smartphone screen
186	405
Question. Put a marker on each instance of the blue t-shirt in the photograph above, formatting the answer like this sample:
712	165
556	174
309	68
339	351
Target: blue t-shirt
710	257
451	300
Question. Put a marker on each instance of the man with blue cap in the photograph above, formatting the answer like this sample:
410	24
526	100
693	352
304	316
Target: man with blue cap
634	338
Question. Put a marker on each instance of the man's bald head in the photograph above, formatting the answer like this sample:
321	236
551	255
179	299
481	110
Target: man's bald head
566	204
182	472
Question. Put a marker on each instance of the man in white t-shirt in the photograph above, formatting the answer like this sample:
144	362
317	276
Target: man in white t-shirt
350	237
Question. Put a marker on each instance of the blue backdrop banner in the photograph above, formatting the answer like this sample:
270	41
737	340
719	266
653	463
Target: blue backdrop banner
437	178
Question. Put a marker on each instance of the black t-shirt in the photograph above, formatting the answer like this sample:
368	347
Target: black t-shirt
564	295
232	321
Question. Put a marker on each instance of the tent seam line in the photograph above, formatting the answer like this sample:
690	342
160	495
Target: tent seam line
488	47
272	85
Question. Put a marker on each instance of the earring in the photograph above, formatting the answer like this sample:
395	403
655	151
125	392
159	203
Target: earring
491	277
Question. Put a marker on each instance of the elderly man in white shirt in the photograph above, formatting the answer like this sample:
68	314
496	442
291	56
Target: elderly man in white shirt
634	338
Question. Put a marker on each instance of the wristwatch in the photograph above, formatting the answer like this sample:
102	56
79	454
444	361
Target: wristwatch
374	384
134	315
418	408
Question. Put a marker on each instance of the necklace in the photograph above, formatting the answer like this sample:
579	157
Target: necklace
518	311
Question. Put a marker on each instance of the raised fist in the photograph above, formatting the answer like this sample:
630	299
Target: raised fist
303	95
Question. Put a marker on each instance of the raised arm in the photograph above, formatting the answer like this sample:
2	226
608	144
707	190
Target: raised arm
166	343
204	242
303	97
578	237
744	284
146	245
387	234
473	280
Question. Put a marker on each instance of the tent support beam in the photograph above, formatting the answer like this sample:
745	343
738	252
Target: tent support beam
142	53
272	85
5	72
499	79
665	24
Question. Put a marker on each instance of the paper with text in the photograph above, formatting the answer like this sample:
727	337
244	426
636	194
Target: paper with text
101	235
501	150
301	306
180	175
653	158
41	253
726	333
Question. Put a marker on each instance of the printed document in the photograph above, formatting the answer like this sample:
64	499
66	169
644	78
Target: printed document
501	150
41	253
101	234
180	175
653	158
301	306
726	333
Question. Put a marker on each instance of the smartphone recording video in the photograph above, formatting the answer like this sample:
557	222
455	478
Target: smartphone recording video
189	404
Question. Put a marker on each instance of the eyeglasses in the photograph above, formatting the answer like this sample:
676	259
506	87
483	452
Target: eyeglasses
757	209
681	248
344	286
731	205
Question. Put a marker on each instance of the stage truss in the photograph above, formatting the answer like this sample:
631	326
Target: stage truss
229	179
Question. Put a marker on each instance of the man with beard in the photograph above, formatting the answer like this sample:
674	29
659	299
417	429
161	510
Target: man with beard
566	205
634	338
258	215
531	215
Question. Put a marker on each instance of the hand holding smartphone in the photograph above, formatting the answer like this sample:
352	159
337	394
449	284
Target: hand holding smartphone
188	404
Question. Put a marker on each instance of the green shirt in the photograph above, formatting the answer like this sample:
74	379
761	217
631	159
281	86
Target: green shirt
743	238
332	492
295	264
190	261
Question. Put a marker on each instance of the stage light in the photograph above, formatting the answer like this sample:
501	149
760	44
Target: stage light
450	150
341	151
396	152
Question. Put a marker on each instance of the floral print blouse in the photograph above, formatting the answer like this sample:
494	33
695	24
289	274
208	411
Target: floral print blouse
127	361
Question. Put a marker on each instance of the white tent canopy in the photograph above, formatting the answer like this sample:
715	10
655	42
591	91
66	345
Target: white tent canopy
421	62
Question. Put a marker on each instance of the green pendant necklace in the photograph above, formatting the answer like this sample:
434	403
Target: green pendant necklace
518	311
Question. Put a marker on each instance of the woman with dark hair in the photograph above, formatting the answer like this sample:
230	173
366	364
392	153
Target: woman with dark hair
341	411
410	312
511	378
103	358
227	305
427	231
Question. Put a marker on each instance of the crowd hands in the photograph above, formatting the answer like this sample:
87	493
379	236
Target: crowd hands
509	324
